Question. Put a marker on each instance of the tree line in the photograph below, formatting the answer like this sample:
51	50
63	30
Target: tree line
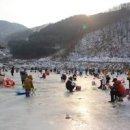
64	34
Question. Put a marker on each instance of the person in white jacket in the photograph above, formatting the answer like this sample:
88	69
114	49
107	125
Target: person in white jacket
103	82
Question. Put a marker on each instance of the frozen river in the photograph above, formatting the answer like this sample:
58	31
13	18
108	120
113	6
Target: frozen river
53	108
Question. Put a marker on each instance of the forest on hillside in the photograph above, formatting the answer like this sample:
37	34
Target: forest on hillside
65	34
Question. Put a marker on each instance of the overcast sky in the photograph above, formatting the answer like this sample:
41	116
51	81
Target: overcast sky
33	13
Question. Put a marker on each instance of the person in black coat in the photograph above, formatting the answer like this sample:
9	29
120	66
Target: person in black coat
63	77
23	75
108	79
70	85
12	71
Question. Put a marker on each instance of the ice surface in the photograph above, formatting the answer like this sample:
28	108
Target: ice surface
53	108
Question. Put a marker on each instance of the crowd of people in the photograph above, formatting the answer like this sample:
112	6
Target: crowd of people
117	90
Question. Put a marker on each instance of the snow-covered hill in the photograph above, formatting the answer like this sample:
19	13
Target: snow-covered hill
111	42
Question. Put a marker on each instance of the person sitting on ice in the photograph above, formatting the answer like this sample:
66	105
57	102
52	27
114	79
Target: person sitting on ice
28	85
117	91
63	77
70	85
43	76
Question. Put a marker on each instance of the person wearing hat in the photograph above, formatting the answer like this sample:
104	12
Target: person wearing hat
117	90
70	85
28	85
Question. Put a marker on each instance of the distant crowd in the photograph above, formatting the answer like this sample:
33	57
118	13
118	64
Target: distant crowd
117	90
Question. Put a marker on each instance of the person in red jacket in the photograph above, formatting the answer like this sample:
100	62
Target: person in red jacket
44	75
120	88
117	90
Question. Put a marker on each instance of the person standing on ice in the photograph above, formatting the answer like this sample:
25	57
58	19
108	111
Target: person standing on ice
128	78
102	82
12	71
107	80
28	85
63	77
70	85
86	71
23	75
1	77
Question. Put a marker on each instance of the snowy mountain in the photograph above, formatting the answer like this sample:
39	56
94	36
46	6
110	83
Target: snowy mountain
109	42
100	35
106	39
